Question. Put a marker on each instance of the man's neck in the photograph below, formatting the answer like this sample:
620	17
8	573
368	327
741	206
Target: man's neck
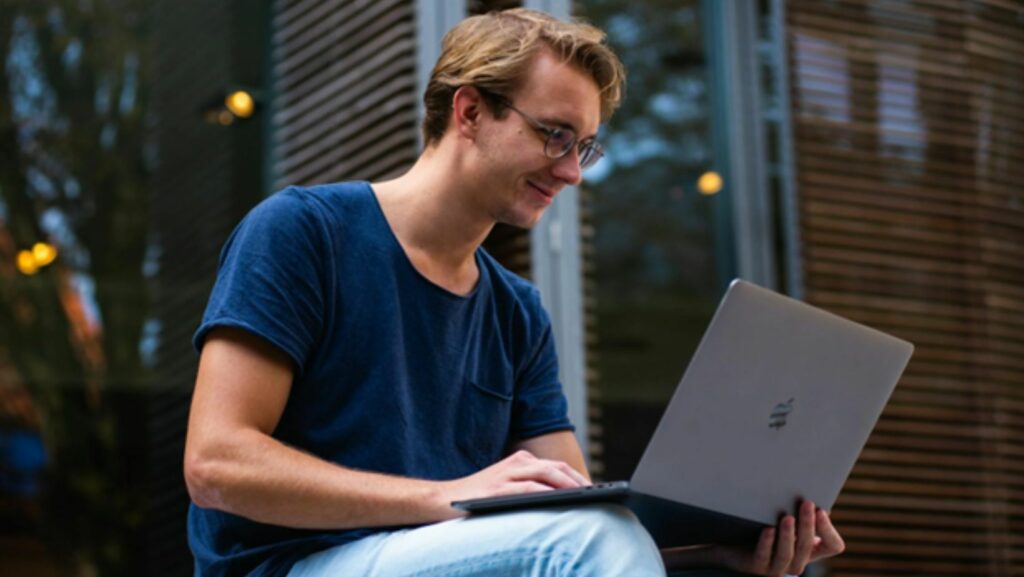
431	212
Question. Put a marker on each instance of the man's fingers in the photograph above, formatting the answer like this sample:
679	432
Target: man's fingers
553	473
522	455
576	475
784	546
520	487
763	552
831	543
804	538
544	474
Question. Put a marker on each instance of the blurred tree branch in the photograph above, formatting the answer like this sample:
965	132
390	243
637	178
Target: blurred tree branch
86	89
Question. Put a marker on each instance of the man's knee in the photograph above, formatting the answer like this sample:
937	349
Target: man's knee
605	539
607	520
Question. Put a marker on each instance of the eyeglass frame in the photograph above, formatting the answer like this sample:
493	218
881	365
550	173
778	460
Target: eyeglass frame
589	151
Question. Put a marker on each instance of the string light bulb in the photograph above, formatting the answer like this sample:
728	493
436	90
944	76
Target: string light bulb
27	263
709	183
240	103
30	261
44	253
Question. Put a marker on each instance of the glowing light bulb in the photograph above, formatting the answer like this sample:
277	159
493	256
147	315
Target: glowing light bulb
44	253
709	183
27	263
240	103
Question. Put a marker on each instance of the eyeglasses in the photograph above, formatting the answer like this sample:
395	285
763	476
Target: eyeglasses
558	141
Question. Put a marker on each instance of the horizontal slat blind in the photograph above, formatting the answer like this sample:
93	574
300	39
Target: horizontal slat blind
909	136
595	414
345	90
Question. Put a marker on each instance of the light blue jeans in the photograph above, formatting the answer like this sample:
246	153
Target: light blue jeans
600	540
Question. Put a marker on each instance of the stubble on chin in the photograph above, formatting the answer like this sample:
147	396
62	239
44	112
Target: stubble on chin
513	214
518	211
519	219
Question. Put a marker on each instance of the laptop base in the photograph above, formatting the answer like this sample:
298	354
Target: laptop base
673	524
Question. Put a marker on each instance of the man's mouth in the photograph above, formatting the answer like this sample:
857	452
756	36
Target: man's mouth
543	191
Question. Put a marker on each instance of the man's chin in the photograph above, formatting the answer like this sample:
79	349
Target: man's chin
525	222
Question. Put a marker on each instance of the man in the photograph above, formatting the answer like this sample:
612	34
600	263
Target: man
364	362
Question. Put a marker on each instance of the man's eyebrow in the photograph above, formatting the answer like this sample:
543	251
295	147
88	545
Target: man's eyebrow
561	123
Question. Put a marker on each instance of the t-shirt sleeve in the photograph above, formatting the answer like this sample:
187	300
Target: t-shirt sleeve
539	406
271	277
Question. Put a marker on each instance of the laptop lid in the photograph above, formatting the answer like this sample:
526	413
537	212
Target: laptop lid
776	405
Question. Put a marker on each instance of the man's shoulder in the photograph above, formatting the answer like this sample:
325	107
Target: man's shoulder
508	285
316	209
323	196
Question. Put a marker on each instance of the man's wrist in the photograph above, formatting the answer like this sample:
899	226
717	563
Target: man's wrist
438	495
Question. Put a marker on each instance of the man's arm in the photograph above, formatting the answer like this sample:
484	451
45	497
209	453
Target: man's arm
232	463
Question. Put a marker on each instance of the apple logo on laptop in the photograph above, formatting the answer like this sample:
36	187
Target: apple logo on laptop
778	418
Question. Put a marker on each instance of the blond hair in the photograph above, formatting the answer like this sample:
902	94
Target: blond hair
493	52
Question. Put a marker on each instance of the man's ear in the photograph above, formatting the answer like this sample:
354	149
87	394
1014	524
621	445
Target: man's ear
467	110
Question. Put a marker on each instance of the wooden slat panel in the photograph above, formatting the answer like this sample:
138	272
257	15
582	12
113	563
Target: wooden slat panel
909	139
346	38
345	94
290	10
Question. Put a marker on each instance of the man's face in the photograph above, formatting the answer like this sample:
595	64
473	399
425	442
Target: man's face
522	180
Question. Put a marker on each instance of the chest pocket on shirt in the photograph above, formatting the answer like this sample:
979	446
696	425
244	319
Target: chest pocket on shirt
485	415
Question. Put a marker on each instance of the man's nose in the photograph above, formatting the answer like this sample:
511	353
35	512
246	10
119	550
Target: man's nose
567	168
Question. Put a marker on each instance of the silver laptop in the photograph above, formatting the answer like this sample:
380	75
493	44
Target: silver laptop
775	407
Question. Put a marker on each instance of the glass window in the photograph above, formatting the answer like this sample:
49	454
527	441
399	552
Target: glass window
654	258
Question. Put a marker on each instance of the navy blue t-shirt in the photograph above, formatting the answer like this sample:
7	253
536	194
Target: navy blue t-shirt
392	372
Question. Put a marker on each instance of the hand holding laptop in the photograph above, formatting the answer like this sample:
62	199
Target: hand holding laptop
786	549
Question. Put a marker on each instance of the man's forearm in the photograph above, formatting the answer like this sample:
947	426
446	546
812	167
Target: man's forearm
260	478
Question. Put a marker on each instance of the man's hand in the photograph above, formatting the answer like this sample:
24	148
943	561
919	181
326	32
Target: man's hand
520	472
787	548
